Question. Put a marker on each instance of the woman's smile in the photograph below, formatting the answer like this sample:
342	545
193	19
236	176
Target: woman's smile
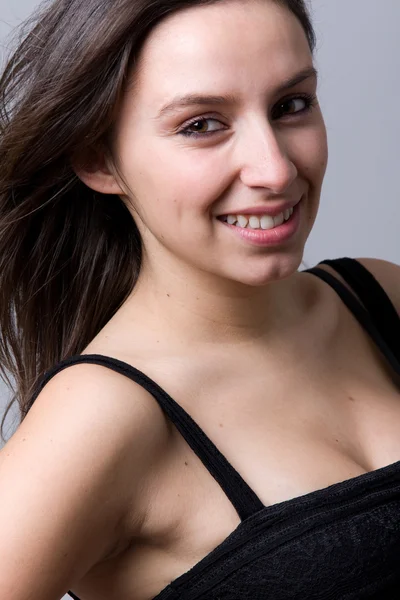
262	229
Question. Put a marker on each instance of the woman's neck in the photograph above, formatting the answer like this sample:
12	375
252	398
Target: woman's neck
196	306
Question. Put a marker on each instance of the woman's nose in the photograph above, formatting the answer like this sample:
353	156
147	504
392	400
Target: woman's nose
265	162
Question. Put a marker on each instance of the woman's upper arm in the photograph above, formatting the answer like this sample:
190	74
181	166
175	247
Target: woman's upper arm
388	275
68	477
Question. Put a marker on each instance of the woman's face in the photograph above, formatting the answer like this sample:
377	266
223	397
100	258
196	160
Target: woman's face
222	124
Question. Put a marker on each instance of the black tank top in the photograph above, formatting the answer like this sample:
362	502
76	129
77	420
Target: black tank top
340	542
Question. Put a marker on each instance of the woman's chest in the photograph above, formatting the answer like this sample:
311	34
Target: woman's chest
280	458
287	433
290	429
290	434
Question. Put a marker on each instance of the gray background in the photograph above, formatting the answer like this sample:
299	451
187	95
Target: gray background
358	59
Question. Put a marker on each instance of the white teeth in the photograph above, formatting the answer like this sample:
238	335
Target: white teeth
267	222
278	220
243	221
254	222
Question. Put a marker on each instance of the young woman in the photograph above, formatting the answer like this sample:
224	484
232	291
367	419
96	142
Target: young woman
200	420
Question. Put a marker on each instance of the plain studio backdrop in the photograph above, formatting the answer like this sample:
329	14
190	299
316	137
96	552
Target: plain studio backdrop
358	57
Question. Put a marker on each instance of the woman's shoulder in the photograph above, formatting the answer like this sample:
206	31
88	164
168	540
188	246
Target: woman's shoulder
386	274
104	430
89	395
75	471
103	410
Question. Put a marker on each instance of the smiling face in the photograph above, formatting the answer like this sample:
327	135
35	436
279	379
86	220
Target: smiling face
220	130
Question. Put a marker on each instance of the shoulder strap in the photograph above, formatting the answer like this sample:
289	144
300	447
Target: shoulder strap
243	498
361	314
373	297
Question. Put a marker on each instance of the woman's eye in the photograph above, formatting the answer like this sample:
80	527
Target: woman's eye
202	127
292	106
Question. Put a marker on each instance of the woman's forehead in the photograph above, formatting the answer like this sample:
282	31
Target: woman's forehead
220	44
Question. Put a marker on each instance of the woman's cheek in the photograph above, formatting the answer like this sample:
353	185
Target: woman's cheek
311	154
319	148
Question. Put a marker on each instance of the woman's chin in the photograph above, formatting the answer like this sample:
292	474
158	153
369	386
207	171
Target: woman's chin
268	270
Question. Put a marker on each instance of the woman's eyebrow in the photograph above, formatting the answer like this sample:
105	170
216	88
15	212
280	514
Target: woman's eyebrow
308	73
194	99
191	100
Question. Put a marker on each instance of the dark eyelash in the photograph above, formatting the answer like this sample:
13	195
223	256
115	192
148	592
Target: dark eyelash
187	133
310	100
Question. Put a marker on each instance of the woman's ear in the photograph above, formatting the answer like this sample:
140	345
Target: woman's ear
96	171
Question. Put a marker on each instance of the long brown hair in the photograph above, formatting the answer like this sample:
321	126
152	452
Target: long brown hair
69	256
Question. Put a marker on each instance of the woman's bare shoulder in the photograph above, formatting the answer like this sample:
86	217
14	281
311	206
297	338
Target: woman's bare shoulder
71	475
89	400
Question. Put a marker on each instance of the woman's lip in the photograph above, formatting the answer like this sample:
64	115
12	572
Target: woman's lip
269	237
272	211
